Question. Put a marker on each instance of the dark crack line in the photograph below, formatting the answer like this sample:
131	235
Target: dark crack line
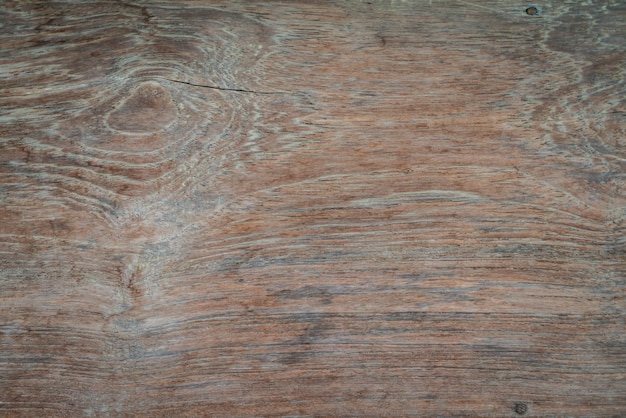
207	86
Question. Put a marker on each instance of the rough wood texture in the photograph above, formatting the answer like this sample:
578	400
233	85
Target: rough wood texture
380	208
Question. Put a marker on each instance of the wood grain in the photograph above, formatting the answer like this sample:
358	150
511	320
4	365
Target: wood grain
328	208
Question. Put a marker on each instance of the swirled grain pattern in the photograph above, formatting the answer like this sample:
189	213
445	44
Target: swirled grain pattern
326	208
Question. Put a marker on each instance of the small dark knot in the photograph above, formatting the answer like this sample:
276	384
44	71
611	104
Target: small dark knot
521	408
532	11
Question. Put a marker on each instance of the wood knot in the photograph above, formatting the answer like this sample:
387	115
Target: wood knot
521	408
148	109
532	11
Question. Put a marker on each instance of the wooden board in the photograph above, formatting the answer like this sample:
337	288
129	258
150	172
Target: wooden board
322	208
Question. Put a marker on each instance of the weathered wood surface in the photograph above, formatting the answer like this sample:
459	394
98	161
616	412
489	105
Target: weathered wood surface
380	208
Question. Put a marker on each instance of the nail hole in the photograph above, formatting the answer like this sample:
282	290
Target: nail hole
521	408
532	11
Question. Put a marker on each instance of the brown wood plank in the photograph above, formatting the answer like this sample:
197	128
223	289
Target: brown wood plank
326	208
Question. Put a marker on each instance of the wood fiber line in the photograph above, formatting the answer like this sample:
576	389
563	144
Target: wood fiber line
325	208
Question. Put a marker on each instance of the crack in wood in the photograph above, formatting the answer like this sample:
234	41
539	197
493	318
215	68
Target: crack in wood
213	87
